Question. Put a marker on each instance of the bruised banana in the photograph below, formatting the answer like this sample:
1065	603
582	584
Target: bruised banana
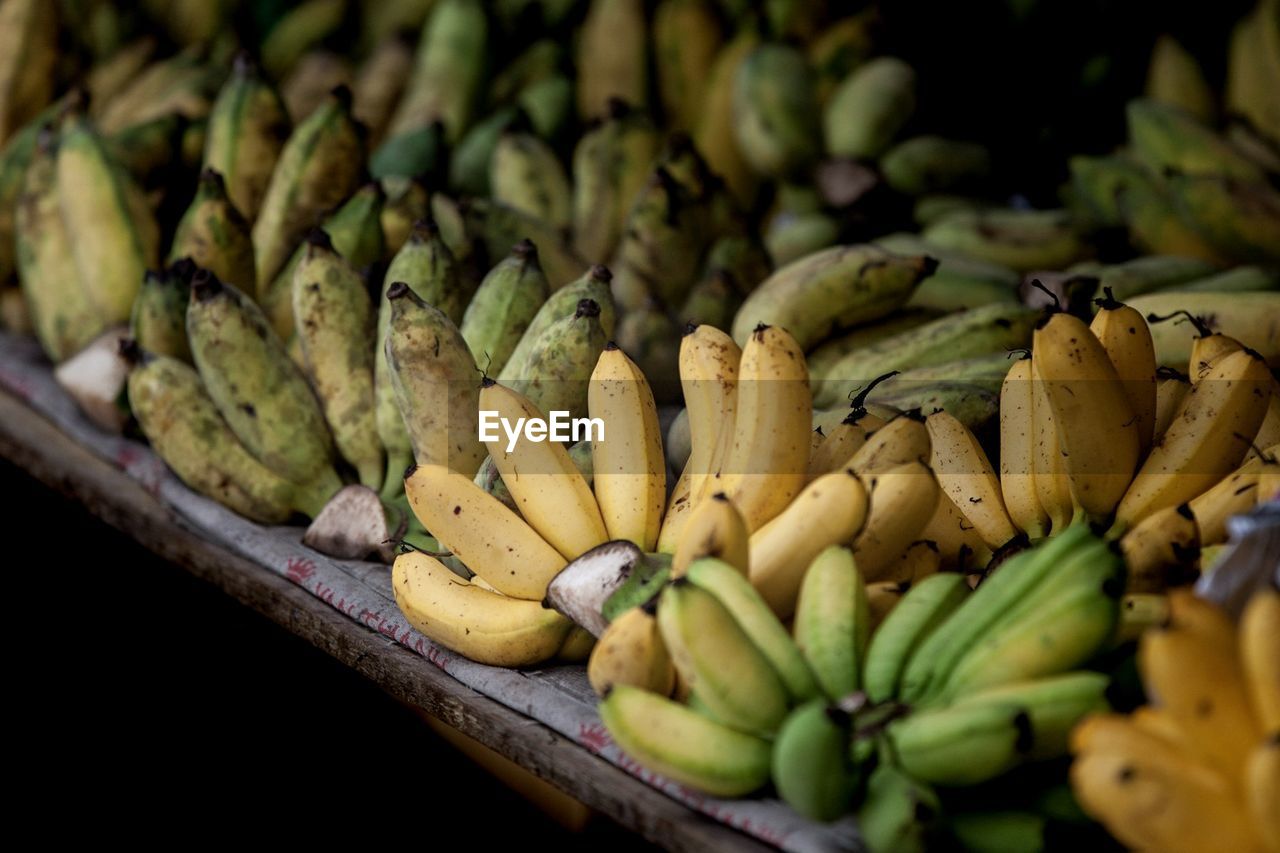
903	439
1234	494
246	133
1162	549
214	235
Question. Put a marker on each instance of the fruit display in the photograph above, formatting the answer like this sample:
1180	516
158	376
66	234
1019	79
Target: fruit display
685	338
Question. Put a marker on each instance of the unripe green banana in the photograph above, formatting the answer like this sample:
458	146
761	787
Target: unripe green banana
1005	830
526	175
662	244
503	307
335	328
713	300
611	163
1240	220
972	405
14	157
935	164
775	111
1174	78
501	227
1155	223
1252	66
1153	272
652	339
811	767
159	324
962	744
1022	240
448	71
869	107
613	56
925	606
298	30
470	162
64	317
1054	705
214	235
436	383
897	812
247	131
260	392
791	236
1164	137
561	362
540	60
318	168
829	353
407	201
833	621
1237	280
561	304
1096	184
184	427
743	256
115	238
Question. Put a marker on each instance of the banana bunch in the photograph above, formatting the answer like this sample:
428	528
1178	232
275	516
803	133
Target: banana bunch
1199	765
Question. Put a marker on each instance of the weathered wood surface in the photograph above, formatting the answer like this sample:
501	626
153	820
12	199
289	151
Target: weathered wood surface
38	447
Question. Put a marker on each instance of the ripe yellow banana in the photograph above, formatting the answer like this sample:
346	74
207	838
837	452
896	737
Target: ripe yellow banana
1260	656
1017	452
1269	430
1171	390
901	504
966	478
715	529
903	439
765	466
1053	487
1209	437
630	471
1162	549
490	539
1124	334
485	626
709	379
678	513
830	511
1234	494
836	450
960	548
921	559
631	652
1261	785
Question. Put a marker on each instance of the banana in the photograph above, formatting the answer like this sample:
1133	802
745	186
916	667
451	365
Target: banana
836	288
1022	240
594	285
1262	790
1167	138
380	82
1260	658
1240	220
661	244
612	51
335	325
27	70
964	335
448	72
898	811
247	130
1171	390
1097	430
1209	437
431	270
811	766
182	84
630	652
830	352
300	29
109	77
925	606
714	528
837	449
714	132
490	539
902	502
829	511
1017	452
550	493
903	439
775	111
503	307
65	318
477	623
869	107
1053	486
1234	494
962	744
678	514
1148	273
1124	334
717	659
116	238
833	621
883	597
1247	317
959	546
1162	549
159	322
1268	433
496	228
966	478
149	152
934	164
610	164
558	371
684	745
471	162
525	175
764	467
921	559
214	235
709	362
257	388
654	338
183	426
752	613
1054	705
317	168
1253	61
1236	280
436	383
1268	486
406	203
630	472
1174	78
686	40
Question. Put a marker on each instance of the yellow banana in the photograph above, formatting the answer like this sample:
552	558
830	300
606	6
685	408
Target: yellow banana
490	539
1171	390
1161	550
960	548
903	439
550	492
485	626
830	511
28	61
1234	494
1053	488
966	478
765	466
1124	334
921	559
613	54
678	513
686	39
901	504
1017	452
715	529
1209	437
836	450
1269	430
1259	638
709	379
631	652
630	472
1261	785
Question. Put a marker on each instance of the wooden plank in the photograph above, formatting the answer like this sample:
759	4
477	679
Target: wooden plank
37	446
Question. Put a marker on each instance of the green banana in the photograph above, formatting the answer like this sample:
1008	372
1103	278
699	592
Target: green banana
183	83
716	658
535	63
298	30
652	339
407	201
414	153
925	606
501	227
985	371
14	158
898	811
562	303
668	738
1241	220
64	317
713	300
838	288
791	236
317	169
426	264
561	361
1248	317
959	282
159	323
1153	272
448	71
811	767
436	383
1155	224
184	427
1096	185
150	151
1165	137
1023	240
833	621
935	164
1174	77
962	744
967	334
259	391
661	245
549	106
214	235
470	161
1236	280
611	163
526	175
753	615
335	330
1054	704
972	405
869	107
115	238
503	307
775	111
829	353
